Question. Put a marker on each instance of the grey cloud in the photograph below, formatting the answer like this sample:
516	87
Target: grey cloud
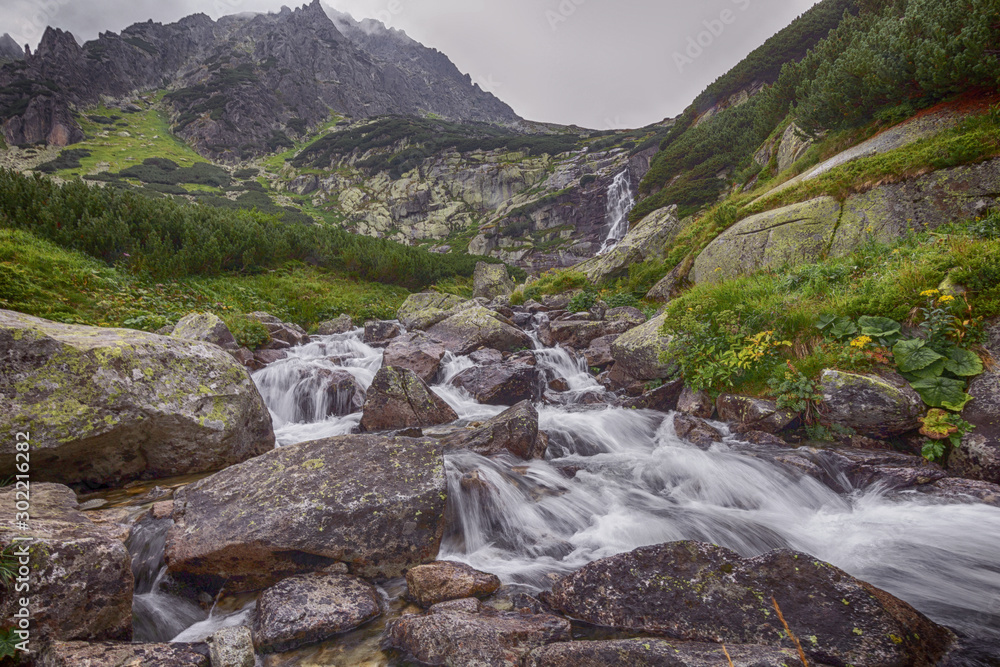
595	63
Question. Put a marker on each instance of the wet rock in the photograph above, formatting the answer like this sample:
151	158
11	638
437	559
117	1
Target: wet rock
108	654
663	398
559	384
558	301
505	383
476	327
340	395
311	608
422	311
876	406
80	573
380	333
696	431
649	652
268	357
753	414
598	355
232	647
446	580
963	491
638	352
486	356
106	406
978	457
464	632
282	332
372	502
580	334
763	438
341	325
417	352
397	398
515	431
207	328
696	403
491	281
700	592
244	356
888	469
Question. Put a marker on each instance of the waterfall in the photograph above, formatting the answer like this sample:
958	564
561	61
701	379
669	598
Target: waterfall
620	204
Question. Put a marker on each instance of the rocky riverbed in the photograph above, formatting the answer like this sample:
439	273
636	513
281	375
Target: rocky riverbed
458	487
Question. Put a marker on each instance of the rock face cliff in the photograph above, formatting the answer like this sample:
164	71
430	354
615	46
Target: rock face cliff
243	85
9	49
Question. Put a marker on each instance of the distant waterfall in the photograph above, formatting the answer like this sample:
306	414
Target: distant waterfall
620	204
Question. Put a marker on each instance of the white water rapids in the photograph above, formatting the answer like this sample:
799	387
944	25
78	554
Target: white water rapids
620	204
617	479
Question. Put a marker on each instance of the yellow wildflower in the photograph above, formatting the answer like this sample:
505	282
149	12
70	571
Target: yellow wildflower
947	298
860	342
930	292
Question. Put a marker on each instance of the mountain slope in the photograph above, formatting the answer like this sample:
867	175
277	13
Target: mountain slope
241	86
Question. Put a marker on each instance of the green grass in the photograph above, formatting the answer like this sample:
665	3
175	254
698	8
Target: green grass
274	163
40	278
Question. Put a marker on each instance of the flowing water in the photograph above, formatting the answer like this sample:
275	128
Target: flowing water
617	479
620	204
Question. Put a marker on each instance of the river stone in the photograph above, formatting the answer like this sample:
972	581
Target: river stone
701	592
491	281
637	352
790	235
465	632
598	355
282	332
232	647
696	431
372	502
501	384
422	311
446	580
107	406
658	653
341	325
755	414
397	399
579	334
206	327
475	327
514	431
417	352
108	654
872	405
696	403
978	457
81	574
311	608
662	399
647	239
379	333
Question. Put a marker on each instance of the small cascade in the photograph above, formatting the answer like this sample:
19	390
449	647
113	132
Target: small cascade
461	401
620	204
558	362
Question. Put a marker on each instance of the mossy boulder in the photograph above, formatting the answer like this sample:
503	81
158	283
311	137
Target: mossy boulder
374	503
978	457
491	281
81	573
872	405
659	652
648	239
424	310
341	325
232	647
790	235
637	352
107	406
398	399
205	327
474	327
701	592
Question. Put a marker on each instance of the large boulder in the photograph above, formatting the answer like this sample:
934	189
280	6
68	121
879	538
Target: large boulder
753	414
285	334
374	503
417	352
647	239
790	235
108	654
474	327
579	334
501	384
311	608
491	281
638	352
872	405
397	398
206	327
340	325
80	574
380	333
701	592
978	457
107	406
465	632
658	652
424	310
447	580
514	431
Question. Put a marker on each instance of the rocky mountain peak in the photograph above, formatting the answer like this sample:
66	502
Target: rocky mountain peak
9	49
57	45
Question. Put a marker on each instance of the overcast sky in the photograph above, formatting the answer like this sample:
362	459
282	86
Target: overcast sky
595	63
